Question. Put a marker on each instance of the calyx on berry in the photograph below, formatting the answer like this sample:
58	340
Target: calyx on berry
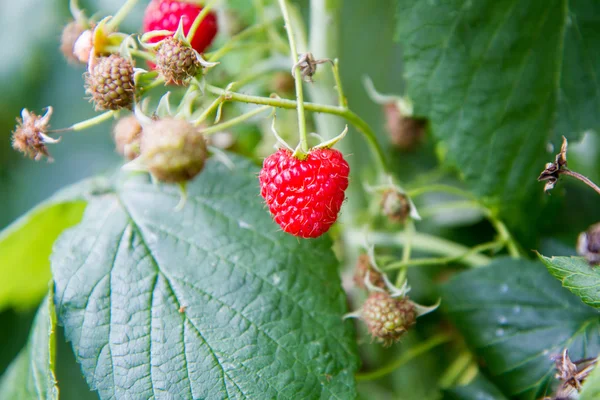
388	312
172	149
176	59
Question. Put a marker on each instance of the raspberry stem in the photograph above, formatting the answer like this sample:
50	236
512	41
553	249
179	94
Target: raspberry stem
98	119
298	77
199	18
120	15
234	121
231	44
406	356
350	116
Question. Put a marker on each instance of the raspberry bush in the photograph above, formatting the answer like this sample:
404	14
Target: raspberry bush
288	211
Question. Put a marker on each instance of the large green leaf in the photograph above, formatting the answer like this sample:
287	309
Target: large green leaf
209	302
31	375
578	276
516	316
25	246
579	96
491	75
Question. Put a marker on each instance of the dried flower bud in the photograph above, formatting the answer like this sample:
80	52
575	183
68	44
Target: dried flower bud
588	244
363	266
82	49
387	318
572	374
395	205
127	134
405	133
70	34
308	66
29	136
173	150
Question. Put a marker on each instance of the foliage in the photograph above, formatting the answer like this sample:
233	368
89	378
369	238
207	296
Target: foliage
191	290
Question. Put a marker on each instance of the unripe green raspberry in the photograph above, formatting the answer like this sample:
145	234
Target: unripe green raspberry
127	134
387	318
173	150
176	61
395	205
110	82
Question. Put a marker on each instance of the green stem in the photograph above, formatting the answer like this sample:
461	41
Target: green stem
440	188
234	121
420	242
406	356
138	53
199	18
232	43
425	212
354	119
213	106
409	231
420	262
342	101
455	370
98	119
125	9
298	76
505	236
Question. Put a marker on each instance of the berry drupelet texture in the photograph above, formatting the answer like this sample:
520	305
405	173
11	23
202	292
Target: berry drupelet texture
176	61
165	15
110	82
387	318
305	196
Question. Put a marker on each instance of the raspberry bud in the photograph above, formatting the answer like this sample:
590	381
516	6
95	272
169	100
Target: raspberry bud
71	32
588	244
405	132
387	318
395	205
127	133
176	61
110	82
83	47
363	266
173	150
29	137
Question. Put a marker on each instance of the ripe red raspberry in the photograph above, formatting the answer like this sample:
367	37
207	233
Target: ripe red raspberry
304	196
165	15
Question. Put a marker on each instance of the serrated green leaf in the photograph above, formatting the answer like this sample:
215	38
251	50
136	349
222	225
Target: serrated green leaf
579	96
516	316
488	76
210	302
25	245
591	386
578	276
479	389
31	374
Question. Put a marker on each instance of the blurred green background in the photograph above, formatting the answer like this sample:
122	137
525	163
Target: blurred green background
34	74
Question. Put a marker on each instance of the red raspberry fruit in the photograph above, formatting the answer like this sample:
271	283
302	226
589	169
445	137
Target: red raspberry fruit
304	196
165	15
